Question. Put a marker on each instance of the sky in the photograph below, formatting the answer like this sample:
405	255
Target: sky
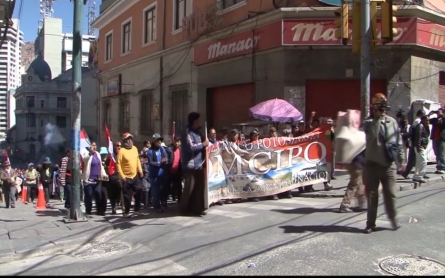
30	16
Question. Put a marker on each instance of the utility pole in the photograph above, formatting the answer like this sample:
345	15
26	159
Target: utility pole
365	57
75	211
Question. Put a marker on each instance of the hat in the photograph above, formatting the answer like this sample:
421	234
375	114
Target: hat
126	135
234	131
177	138
287	131
272	129
301	122
7	162
156	137
103	150
30	165
46	161
330	121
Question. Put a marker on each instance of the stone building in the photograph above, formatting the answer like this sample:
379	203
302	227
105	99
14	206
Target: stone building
42	113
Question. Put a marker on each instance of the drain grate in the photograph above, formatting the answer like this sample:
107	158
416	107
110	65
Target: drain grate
100	250
412	265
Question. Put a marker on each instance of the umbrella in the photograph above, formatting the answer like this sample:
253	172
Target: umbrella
276	110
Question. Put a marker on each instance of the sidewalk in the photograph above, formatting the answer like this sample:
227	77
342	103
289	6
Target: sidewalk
342	179
26	232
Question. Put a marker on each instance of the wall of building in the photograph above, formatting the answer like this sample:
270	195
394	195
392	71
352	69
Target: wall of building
50	44
89	105
144	76
425	71
268	79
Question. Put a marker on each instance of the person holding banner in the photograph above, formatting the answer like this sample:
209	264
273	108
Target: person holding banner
192	160
383	149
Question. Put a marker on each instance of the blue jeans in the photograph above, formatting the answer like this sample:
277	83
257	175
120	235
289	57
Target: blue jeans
92	191
156	191
439	151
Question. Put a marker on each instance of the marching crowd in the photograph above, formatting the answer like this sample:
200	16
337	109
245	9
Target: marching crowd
151	176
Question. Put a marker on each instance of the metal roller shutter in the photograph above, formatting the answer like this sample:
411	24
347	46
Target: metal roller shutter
230	105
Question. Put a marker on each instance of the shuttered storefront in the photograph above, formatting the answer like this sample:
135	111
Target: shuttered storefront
327	97
229	105
442	88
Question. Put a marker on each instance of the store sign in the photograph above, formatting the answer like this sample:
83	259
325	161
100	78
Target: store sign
316	32
243	43
430	35
114	85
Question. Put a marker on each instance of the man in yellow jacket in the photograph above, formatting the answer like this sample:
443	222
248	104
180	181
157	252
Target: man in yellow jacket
130	172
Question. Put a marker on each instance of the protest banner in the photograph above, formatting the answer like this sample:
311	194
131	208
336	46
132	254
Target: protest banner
268	166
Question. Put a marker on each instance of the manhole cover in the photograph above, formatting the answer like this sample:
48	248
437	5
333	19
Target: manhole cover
412	265
100	250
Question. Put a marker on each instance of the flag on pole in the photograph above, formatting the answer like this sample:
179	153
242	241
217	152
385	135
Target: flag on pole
112	165
84	144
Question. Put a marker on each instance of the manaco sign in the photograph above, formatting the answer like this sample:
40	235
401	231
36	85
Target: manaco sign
316	32
430	35
264	37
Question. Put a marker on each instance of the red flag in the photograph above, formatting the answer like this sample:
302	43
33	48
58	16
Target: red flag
112	165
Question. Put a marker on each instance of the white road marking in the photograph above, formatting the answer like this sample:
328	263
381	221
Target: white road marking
161	267
255	206
304	201
230	214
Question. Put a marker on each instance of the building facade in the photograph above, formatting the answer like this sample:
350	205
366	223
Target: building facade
42	113
57	47
159	60
10	69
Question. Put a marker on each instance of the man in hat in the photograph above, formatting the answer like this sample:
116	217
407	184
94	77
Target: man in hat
157	160
193	199
8	177
130	172
46	178
31	183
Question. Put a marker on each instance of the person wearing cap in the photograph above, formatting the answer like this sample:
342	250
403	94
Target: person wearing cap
130	172
93	175
8	176
157	162
46	178
31	183
193	199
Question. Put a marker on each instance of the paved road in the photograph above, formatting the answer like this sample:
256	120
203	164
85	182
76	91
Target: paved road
300	236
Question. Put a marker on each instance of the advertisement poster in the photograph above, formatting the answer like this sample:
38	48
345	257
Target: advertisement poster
268	166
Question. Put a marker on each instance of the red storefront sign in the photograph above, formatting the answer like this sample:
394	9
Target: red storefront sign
430	35
264	37
322	32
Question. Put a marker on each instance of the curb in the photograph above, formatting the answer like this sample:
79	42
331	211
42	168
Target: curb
415	185
339	193
53	246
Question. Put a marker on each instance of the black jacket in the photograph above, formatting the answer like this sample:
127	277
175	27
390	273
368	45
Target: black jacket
44	178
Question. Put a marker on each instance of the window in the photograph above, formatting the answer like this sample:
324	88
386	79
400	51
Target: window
42	104
106	113
61	121
224	4
30	102
109	47
150	25
124	115
126	37
30	120
61	102
180	108
182	9
146	111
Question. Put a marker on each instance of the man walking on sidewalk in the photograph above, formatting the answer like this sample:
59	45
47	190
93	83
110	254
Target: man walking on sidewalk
383	149
421	134
8	176
438	137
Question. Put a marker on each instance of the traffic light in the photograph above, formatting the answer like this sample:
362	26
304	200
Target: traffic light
356	27
388	21
342	24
